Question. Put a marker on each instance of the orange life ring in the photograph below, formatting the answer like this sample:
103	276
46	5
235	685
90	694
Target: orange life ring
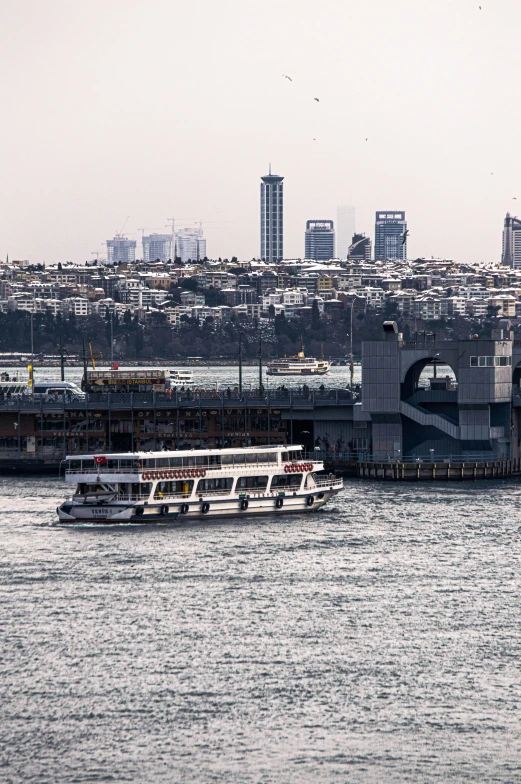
286	469
204	472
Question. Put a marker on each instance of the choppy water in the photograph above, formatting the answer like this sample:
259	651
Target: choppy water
375	641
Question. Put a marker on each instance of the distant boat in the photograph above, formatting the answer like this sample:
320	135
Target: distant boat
298	366
181	378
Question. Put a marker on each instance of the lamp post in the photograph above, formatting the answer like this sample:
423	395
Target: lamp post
241	335
261	386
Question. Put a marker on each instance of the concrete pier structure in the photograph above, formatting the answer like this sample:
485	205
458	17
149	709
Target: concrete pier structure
472	418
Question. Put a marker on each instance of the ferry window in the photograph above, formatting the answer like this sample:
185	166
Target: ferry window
490	361
227	459
201	461
182	487
285	457
263	457
282	481
87	465
163	461
251	457
215	485
189	462
473	362
139	488
214	459
252	483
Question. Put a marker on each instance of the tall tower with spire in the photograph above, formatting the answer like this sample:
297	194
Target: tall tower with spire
272	217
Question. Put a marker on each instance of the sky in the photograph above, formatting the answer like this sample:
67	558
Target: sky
127	113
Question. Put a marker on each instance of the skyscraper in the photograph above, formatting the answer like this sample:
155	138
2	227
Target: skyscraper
320	240
511	255
389	233
345	226
190	245
272	217
121	250
157	246
360	248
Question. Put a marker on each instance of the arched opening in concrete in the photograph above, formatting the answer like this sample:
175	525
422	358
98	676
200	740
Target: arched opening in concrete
428	373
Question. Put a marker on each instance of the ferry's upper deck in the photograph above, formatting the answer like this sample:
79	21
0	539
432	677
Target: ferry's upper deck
133	463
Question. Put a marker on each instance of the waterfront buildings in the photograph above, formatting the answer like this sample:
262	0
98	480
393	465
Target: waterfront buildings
121	250
511	255
157	247
272	217
190	245
390	228
345	226
320	240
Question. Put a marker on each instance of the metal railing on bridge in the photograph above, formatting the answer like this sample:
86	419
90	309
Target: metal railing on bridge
481	457
118	400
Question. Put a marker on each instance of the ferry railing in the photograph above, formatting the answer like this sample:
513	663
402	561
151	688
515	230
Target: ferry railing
327	481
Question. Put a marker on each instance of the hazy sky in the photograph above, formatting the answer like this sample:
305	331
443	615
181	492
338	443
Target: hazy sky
161	108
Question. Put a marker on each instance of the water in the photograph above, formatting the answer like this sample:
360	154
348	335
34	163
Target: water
224	376
375	641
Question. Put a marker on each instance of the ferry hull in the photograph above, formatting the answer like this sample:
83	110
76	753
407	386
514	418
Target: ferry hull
198	509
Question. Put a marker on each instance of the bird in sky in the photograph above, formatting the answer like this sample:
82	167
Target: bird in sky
366	138
287	77
317	100
515	198
404	236
479	7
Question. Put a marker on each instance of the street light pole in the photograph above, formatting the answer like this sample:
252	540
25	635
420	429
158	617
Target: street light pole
112	337
240	362
261	386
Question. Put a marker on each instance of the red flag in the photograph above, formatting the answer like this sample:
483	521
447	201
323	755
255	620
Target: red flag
100	460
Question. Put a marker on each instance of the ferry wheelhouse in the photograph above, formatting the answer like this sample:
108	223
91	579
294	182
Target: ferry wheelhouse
151	487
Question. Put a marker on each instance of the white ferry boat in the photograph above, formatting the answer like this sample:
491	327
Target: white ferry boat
298	366
151	487
181	378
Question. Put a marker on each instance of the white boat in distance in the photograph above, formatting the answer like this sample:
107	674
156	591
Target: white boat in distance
151	487
181	378
298	366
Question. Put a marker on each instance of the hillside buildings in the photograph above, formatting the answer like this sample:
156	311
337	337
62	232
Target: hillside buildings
121	250
360	248
511	255
320	240
157	247
190	245
390	228
272	217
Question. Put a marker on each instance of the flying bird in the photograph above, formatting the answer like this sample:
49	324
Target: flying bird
404	236
317	100
366	138
515	198
287	77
